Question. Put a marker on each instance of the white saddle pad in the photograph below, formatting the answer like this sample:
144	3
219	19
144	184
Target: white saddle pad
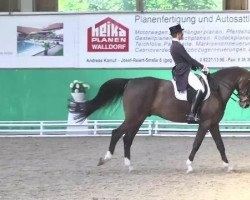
183	95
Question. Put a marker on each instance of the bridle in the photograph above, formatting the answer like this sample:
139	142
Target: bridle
246	94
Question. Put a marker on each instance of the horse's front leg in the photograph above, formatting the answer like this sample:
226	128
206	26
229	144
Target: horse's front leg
215	132
202	130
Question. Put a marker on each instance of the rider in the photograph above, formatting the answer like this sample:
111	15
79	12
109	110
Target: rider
182	72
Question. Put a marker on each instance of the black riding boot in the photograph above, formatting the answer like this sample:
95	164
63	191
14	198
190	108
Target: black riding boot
192	117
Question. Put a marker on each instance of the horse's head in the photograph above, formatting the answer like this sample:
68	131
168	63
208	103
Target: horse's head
244	92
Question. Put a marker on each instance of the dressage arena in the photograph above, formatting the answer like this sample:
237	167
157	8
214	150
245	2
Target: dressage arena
66	168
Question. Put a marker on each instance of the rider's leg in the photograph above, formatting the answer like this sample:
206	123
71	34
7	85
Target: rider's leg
195	83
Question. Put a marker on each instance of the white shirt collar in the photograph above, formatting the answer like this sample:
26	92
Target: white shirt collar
175	39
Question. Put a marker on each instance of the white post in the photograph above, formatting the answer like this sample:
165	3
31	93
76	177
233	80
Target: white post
150	127
156	127
95	127
73	125
26	5
41	128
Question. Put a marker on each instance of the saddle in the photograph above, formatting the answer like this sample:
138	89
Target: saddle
187	95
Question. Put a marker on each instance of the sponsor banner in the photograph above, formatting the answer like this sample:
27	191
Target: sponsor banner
122	40
214	39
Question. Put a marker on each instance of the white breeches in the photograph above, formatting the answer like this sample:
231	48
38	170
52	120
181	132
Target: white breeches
194	82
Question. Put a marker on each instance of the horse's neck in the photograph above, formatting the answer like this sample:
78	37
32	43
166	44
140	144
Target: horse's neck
227	85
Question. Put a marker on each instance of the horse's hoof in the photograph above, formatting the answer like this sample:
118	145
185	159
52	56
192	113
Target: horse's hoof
130	168
189	171
101	162
230	169
189	166
227	167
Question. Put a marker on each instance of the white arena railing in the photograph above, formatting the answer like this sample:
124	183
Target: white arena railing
230	129
62	128
105	127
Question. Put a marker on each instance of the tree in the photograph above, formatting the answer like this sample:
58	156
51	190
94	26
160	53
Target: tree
152	5
130	5
73	5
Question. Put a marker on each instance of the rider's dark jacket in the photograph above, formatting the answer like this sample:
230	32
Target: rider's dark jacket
183	64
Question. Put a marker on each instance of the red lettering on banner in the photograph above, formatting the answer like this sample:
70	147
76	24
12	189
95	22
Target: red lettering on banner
108	36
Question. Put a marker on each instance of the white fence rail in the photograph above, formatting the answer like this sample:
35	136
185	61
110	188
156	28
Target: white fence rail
233	129
105	127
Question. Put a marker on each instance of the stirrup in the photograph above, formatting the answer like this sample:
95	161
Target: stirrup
192	120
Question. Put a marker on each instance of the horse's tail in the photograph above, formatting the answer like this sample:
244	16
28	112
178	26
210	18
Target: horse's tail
109	92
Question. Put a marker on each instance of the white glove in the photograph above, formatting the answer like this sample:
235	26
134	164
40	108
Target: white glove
205	69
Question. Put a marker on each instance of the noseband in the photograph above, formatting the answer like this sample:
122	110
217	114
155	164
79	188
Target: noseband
242	96
245	95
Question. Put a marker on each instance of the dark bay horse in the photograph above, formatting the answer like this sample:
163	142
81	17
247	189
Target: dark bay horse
147	96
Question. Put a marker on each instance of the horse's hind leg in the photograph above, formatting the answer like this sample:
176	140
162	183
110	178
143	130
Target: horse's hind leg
128	138
215	132
116	135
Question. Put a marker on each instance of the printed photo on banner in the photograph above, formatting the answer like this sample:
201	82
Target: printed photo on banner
42	40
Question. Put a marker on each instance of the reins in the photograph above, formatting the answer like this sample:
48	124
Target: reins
227	86
235	94
233	98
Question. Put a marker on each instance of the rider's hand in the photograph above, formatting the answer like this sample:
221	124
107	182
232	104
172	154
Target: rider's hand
205	69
